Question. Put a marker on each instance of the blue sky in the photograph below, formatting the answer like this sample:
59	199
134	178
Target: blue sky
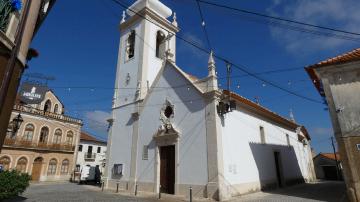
78	44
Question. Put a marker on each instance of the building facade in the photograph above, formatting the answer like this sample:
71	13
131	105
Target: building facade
338	80
327	166
171	131
45	144
91	151
9	23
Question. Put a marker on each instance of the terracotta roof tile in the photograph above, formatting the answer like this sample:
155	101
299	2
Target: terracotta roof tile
353	55
85	136
268	113
330	156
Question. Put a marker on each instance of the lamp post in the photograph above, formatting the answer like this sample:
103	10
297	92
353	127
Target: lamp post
17	121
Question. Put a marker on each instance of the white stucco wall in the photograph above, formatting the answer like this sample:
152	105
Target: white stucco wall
121	140
248	161
188	120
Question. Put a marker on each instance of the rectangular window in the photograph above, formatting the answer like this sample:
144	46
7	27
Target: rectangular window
80	147
145	152
262	135
98	149
288	140
89	149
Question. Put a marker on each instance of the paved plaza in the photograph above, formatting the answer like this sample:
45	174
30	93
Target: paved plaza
322	191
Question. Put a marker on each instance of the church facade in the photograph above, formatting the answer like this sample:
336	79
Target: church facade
171	131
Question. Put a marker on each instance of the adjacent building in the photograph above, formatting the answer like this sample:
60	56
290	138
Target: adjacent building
91	151
10	18
44	143
327	166
338	80
170	131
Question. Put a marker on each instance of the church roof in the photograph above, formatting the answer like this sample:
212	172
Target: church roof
263	111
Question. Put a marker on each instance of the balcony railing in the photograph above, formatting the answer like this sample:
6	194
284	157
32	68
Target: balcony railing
42	146
89	156
32	110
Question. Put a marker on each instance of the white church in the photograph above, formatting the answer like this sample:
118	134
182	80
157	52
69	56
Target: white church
171	131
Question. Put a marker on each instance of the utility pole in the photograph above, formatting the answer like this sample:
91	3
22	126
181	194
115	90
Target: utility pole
9	71
228	72
336	161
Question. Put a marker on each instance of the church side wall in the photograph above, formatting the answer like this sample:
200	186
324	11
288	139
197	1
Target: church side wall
249	165
121	142
189	121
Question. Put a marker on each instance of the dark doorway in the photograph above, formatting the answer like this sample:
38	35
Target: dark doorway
278	168
330	172
167	169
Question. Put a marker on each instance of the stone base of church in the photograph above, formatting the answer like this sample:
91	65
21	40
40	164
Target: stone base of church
202	191
198	191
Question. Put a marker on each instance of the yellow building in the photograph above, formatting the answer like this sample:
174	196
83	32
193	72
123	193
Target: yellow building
45	144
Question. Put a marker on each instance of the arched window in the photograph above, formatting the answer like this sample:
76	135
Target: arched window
44	133
29	132
52	167
65	166
21	164
130	45
5	162
57	136
47	106
69	137
160	44
56	108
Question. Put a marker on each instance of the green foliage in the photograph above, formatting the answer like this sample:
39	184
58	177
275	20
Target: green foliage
13	183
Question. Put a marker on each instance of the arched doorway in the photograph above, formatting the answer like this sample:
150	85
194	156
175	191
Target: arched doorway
36	170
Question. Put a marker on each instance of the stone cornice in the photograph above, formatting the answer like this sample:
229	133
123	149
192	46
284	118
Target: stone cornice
148	14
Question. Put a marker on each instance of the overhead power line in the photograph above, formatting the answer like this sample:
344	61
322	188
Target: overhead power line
203	25
239	67
279	18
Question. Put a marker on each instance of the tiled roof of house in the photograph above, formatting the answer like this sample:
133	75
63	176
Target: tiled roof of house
85	136
330	155
351	56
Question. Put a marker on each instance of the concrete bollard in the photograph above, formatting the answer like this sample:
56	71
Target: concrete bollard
102	186
190	194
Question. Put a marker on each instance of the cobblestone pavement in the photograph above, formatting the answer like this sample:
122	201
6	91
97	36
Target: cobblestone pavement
323	191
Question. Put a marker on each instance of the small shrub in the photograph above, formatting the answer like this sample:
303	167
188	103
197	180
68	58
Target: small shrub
13	183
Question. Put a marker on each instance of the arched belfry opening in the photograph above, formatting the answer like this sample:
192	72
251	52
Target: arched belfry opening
130	45
160	44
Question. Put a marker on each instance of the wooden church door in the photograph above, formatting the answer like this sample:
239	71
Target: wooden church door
167	169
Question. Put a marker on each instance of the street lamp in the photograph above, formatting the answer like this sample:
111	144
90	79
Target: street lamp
17	121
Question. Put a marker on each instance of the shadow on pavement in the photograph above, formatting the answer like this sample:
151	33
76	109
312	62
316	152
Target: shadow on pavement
322	191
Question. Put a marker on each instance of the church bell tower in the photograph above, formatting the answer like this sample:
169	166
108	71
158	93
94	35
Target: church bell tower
147	39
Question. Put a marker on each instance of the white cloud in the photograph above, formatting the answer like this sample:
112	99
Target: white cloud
97	121
340	14
321	131
190	49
